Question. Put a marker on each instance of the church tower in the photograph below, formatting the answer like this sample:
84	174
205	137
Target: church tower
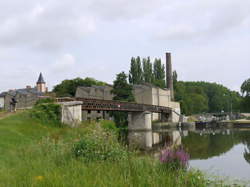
41	84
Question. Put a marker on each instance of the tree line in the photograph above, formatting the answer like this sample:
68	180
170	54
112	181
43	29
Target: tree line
142	70
194	97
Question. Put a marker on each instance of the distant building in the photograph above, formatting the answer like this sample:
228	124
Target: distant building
41	84
26	97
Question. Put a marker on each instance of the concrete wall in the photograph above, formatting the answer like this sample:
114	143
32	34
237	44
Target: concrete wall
140	121
95	92
71	113
148	94
1	102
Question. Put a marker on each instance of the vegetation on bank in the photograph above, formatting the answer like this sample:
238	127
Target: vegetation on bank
35	153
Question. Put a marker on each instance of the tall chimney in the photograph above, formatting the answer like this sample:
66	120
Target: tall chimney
169	75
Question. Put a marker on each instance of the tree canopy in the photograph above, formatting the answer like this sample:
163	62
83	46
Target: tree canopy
147	72
199	97
67	88
245	90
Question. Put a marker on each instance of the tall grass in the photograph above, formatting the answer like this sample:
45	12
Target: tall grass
35	154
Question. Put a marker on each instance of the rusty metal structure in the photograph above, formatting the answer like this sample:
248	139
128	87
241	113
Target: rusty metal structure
110	105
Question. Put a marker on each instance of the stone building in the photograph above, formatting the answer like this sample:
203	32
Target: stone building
26	97
95	92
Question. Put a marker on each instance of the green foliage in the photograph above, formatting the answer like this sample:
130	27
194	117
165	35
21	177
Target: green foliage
147	70
245	87
45	100
153	73
159	74
135	73
109	126
67	88
34	155
123	92
245	90
47	113
121	89
199	97
98	148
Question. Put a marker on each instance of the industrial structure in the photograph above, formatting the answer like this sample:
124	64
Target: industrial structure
144	94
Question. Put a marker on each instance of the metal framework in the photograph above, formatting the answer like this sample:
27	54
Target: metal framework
110	105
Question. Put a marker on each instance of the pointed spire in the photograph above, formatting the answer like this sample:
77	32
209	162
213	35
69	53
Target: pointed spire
40	79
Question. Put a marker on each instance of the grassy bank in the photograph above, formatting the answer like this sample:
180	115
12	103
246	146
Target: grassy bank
37	154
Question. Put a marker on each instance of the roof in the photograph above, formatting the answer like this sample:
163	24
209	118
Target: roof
23	91
40	79
3	94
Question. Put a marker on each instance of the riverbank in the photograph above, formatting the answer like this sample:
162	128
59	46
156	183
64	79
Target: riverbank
39	154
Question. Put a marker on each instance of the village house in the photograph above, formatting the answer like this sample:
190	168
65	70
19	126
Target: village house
25	97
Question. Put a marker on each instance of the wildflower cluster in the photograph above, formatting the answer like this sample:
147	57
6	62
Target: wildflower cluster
174	157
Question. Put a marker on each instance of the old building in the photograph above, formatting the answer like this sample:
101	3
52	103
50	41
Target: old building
95	92
26	97
152	95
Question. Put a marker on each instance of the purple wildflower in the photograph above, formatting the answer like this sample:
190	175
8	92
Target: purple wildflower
174	156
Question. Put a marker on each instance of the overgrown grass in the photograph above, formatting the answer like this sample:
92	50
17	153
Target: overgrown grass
36	154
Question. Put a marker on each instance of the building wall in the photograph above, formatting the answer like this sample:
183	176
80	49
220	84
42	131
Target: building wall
95	92
23	101
41	87
1	102
147	94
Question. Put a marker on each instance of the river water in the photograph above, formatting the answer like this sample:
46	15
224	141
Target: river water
223	152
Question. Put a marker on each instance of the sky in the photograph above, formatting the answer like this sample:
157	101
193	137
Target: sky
209	40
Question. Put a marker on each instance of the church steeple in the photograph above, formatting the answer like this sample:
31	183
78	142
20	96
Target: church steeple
40	84
40	79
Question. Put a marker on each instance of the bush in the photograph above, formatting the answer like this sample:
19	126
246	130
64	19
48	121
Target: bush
45	100
99	147
109	126
47	113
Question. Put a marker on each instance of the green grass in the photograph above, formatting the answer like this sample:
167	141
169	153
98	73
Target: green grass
35	154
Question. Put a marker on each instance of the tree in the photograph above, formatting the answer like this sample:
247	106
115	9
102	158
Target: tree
159	74
147	70
123	92
122	89
135	73
67	88
245	87
245	90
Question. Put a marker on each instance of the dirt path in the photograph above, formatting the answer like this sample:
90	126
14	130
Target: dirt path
5	114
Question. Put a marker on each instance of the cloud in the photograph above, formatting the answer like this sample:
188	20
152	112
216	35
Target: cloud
202	19
65	63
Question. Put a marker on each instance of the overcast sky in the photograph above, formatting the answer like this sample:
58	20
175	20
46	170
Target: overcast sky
209	39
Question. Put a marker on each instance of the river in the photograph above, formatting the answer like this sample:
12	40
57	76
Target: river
223	152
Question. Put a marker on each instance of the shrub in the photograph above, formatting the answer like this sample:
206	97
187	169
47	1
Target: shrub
175	158
99	148
47	113
109	126
45	100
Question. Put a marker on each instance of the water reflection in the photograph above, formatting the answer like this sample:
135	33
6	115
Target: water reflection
224	150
